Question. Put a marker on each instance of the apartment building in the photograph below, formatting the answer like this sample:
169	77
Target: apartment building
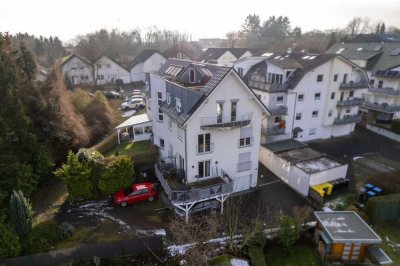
207	124
310	96
381	62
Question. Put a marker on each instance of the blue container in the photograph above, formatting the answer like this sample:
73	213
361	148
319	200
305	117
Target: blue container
369	186
377	190
371	194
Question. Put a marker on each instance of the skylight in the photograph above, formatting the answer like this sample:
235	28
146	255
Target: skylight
267	54
277	57
359	49
312	57
305	57
340	50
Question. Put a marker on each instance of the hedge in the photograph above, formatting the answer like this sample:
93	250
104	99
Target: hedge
107	143
384	208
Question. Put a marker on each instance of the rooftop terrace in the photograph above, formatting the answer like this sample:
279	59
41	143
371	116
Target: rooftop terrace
318	165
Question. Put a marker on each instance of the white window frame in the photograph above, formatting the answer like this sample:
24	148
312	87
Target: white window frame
178	104
312	114
298	114
278	102
162	146
315	96
298	98
204	168
192	75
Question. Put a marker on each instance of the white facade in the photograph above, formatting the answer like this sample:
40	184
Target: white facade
318	107
240	163
295	175
150	65
79	71
108	71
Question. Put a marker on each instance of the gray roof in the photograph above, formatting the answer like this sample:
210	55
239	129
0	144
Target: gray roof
301	154
378	54
218	74
375	38
143	56
284	145
346	226
215	53
286	63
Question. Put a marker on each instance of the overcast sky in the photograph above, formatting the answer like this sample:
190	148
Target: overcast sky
202	19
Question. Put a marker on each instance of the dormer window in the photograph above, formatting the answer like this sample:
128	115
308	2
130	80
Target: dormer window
191	75
178	105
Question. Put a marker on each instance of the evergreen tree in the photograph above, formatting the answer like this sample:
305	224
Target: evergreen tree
9	245
21	213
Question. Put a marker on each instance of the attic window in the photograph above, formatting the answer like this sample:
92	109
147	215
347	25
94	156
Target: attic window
340	50
191	75
359	49
178	104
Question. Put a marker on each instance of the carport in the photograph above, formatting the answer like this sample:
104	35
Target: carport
138	127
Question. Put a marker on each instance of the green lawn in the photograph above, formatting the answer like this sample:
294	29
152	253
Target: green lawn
299	255
129	148
392	231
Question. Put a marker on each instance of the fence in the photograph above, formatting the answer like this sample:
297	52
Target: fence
87	253
384	132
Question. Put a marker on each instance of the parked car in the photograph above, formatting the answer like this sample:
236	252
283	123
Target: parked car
134	103
200	207
112	94
134	194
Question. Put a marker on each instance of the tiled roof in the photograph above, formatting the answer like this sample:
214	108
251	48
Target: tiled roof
143	56
379	54
216	53
66	59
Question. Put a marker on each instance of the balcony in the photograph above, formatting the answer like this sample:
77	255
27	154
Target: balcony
259	83
278	110
243	166
273	131
347	119
204	149
384	107
219	122
180	193
385	91
350	102
354	85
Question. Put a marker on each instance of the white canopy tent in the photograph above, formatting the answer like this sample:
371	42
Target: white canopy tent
137	127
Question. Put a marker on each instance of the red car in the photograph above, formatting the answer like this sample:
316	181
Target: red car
135	193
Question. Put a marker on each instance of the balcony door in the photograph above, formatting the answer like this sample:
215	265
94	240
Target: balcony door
220	111
233	110
204	169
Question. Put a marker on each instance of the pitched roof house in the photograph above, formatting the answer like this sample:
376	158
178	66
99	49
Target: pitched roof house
148	61
225	56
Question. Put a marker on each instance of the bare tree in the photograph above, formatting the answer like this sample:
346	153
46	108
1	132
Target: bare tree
232	39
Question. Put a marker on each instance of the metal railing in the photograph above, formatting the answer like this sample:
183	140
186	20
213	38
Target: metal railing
226	121
243	166
354	85
267	86
195	194
279	110
386	90
382	107
275	130
350	102
204	149
346	119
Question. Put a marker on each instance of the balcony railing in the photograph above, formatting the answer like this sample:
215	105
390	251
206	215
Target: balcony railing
225	122
261	84
193	192
382	107
244	166
350	102
386	91
204	149
347	119
354	85
279	110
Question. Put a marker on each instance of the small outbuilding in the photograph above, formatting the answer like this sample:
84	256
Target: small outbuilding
137	127
343	236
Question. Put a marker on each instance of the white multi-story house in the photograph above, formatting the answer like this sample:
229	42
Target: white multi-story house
109	71
225	56
148	61
78	69
382	64
310	96
207	124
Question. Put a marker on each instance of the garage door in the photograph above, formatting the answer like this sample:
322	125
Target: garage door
241	183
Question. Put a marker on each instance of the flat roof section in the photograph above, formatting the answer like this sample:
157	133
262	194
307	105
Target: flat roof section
346	227
318	165
301	154
284	145
134	120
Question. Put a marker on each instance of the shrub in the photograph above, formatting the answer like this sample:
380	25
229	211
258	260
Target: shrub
90	156
107	143
65	230
42	238
395	126
76	176
9	245
255	245
117	174
21	213
384	208
80	100
289	232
